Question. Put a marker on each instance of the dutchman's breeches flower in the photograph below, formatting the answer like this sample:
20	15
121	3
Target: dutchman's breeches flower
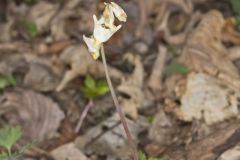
104	28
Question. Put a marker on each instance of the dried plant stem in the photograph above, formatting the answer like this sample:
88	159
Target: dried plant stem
122	116
83	115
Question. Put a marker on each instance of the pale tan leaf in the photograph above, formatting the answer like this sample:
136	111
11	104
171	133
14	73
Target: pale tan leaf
81	64
132	86
38	115
205	52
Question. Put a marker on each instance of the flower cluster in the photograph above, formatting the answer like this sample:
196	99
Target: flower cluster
104	28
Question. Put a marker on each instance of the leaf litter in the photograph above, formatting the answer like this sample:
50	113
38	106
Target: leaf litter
192	96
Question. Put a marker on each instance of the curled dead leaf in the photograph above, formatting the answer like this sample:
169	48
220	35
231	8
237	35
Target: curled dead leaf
205	52
38	115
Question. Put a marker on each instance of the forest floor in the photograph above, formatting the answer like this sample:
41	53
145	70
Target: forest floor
174	65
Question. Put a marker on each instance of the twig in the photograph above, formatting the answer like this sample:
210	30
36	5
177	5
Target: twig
83	115
155	80
122	116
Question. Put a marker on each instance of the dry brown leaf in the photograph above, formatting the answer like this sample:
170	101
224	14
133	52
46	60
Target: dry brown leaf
5	31
42	13
231	154
110	135
234	53
161	130
230	34
206	97
69	152
82	63
41	77
155	80
132	86
185	5
38	115
205	52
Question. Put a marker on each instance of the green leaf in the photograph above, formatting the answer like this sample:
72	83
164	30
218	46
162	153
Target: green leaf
9	136
3	156
177	68
20	152
11	79
150	118
3	82
102	88
93	88
141	155
88	93
237	22
6	81
30	27
235	6
89	82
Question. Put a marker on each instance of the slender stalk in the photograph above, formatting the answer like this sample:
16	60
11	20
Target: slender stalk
122	116
83	115
9	152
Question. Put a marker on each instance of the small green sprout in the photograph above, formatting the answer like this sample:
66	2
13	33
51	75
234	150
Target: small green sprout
30	27
150	118
6	81
93	88
175	68
8	137
142	156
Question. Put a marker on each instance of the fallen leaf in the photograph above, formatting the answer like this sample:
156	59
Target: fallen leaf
81	64
205	52
161	130
132	86
230	34
155	80
41	77
38	115
41	14
68	152
109	138
205	97
231	154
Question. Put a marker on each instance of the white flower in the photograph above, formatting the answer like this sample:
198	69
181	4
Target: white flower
108	16
101	33
104	28
93	46
119	12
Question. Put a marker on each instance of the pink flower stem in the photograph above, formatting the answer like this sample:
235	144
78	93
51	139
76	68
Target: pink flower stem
118	108
83	115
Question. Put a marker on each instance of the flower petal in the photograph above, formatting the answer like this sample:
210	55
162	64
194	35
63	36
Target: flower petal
93	46
108	16
101	33
119	12
90	43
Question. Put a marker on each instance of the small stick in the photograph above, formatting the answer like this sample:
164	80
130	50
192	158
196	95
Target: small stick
83	115
122	116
